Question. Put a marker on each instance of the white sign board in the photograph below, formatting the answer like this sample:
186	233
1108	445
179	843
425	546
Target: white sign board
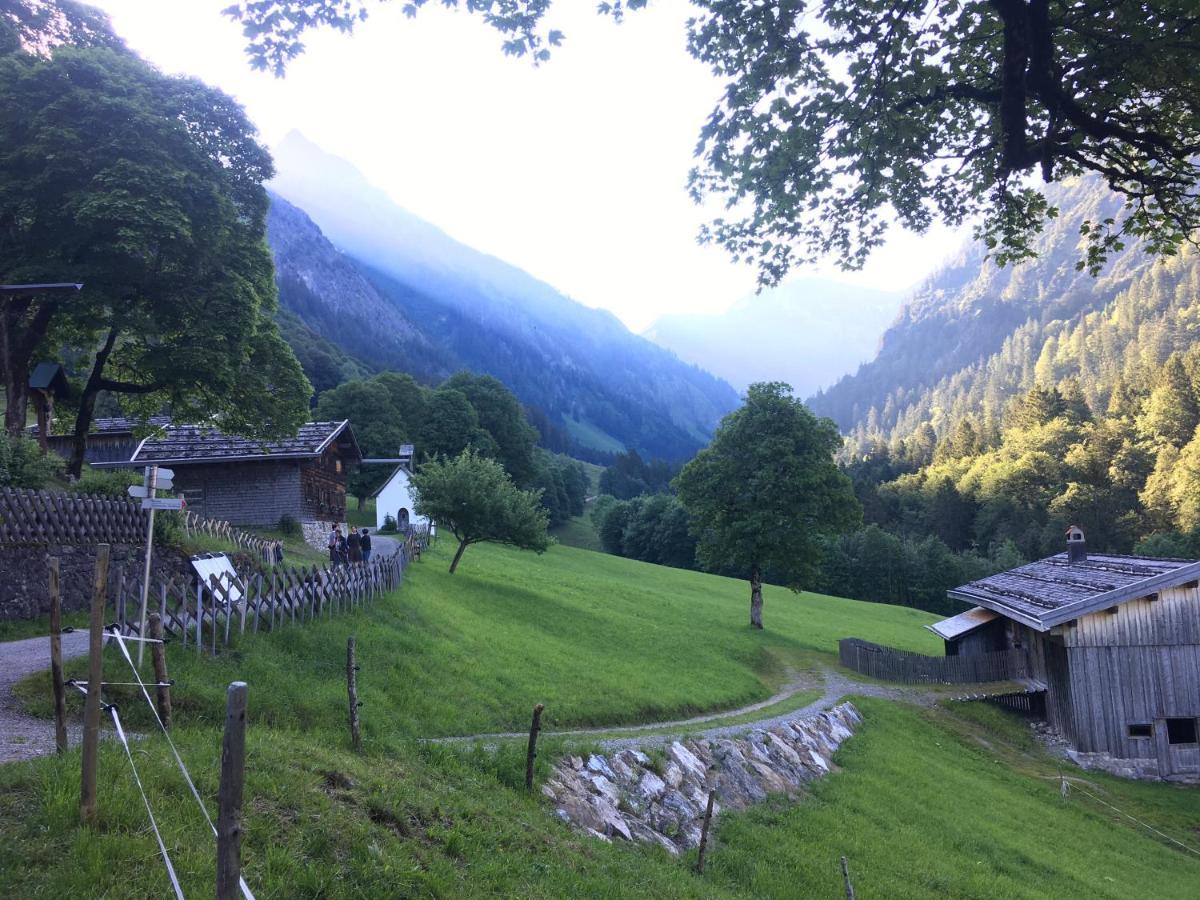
220	566
164	475
163	503
138	490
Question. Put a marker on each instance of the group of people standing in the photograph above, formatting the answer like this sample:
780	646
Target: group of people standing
354	547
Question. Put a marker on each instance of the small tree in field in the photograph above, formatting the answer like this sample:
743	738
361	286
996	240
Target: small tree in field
766	490
475	500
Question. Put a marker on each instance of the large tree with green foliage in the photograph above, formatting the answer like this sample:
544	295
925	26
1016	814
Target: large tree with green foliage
149	190
766	490
500	415
839	115
473	498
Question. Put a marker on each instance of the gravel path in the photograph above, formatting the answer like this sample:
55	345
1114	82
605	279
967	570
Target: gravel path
22	736
835	688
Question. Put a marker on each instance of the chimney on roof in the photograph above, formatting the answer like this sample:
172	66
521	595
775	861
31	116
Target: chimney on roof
1076	545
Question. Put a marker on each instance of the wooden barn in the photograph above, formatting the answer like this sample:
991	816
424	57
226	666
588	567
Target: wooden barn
110	441
1114	641
249	482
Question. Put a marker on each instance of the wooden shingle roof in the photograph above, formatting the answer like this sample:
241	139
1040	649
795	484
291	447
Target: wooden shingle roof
185	444
1052	591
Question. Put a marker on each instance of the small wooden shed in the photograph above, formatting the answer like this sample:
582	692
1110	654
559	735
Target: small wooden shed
248	482
1114	642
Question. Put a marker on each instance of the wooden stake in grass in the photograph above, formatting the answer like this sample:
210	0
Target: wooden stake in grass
708	813
56	668
532	752
159	655
233	775
846	878
352	693
91	707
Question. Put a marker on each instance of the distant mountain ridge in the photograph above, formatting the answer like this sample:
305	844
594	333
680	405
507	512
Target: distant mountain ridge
808	332
396	292
972	337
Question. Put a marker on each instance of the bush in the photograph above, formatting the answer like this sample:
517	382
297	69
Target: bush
289	526
168	528
106	482
23	464
389	525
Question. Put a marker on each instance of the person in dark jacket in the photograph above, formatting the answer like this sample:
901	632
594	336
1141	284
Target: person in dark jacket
364	541
342	554
354	546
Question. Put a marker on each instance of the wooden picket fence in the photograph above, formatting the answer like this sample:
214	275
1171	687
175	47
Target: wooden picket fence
891	664
215	614
265	550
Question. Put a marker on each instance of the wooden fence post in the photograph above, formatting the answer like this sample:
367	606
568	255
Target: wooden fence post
352	693
120	600
56	669
846	878
708	813
233	775
91	708
531	753
159	656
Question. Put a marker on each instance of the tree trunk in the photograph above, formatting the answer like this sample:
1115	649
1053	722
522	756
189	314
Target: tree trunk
20	334
756	598
87	405
462	547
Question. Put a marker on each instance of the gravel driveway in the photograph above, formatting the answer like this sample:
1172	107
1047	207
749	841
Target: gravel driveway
22	736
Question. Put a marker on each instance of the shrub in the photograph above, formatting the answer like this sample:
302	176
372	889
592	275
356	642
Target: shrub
389	524
23	464
289	526
168	528
106	482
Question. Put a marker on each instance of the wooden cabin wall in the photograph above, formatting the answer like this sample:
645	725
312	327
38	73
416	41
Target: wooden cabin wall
323	488
1138	665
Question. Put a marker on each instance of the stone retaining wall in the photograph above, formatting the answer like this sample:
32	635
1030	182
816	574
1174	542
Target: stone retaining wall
630	796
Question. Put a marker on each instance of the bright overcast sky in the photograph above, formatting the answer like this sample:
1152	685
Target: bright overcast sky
574	171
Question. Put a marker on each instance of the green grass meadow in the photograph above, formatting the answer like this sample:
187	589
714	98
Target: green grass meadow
954	801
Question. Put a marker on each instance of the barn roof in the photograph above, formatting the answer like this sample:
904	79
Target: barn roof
187	444
1052	591
953	628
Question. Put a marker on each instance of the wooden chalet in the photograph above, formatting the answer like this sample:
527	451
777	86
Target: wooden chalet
249	482
110	441
1112	641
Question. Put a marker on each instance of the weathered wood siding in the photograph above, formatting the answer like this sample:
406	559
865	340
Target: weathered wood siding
1138	665
323	484
243	493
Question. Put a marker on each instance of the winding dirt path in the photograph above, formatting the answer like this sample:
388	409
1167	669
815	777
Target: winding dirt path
23	736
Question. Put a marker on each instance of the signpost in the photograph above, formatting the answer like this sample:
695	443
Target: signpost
156	479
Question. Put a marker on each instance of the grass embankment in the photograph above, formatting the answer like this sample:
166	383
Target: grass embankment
600	640
927	803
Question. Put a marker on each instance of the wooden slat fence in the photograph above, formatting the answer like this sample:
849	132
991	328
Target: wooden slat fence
213	615
890	664
265	550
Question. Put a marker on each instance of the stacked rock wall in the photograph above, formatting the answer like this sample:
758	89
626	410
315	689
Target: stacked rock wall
631	796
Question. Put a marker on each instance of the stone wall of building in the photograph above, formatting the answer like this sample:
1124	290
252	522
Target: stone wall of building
630	796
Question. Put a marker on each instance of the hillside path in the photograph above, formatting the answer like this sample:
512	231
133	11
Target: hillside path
834	688
23	736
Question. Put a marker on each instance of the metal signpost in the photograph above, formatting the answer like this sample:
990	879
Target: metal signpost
156	479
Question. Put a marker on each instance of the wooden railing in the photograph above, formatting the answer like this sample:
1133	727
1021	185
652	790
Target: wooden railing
216	613
890	664
267	551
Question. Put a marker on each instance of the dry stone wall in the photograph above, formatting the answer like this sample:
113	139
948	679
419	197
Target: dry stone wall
631	796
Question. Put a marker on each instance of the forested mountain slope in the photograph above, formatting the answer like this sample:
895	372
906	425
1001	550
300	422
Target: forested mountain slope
971	337
399	293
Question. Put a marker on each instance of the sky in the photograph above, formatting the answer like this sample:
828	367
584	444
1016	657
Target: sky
574	170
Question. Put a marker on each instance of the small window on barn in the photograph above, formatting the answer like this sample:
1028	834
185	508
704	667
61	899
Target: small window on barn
1141	730
1181	731
337	466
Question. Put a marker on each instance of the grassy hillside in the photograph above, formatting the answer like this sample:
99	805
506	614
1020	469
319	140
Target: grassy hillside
598	639
942	802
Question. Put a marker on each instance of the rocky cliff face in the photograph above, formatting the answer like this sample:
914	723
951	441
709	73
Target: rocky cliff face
629	796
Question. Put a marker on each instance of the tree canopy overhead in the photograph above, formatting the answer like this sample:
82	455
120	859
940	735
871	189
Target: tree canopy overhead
840	115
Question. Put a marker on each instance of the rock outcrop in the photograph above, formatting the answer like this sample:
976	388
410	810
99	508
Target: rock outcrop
630	795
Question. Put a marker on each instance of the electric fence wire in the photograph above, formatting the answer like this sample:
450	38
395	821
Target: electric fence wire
162	847
1075	787
116	632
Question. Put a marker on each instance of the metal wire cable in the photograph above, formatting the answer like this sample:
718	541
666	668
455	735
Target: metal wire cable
178	759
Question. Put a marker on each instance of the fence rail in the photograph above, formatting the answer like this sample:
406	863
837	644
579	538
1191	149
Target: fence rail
213	614
890	664
267	551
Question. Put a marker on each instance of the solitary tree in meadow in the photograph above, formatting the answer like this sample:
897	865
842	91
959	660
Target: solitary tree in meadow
474	499
766	490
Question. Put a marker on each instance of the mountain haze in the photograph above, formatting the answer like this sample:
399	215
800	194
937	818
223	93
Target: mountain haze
808	332
395	291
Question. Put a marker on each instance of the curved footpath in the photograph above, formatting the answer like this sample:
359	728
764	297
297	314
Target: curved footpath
22	736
